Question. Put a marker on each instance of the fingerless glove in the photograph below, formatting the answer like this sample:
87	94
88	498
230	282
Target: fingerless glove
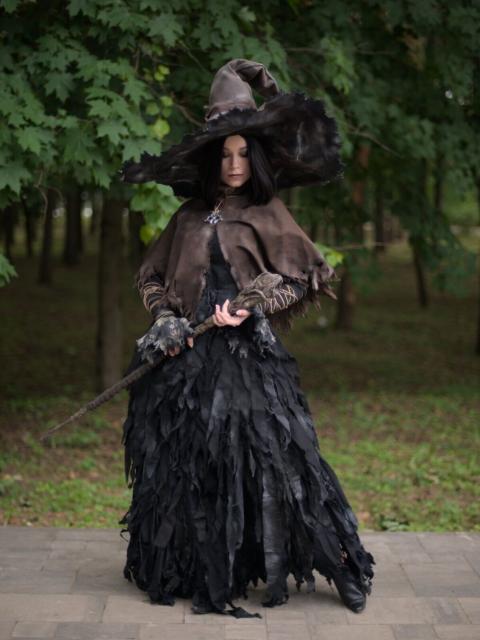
167	332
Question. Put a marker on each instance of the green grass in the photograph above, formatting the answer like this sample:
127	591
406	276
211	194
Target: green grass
395	402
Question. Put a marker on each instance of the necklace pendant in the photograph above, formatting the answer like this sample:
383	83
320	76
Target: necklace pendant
213	217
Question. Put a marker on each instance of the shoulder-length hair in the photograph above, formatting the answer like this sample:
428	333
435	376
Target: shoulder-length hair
261	187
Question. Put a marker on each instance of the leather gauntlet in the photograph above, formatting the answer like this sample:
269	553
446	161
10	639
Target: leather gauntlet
167	332
152	292
285	295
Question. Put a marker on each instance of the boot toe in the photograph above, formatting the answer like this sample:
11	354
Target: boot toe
350	591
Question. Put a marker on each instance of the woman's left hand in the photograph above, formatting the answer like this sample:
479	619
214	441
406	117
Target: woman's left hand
222	317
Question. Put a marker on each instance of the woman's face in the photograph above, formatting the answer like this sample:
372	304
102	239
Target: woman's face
235	162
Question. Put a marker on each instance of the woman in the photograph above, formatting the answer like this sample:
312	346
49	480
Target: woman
228	482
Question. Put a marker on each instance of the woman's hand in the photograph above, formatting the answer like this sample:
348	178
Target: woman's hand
222	317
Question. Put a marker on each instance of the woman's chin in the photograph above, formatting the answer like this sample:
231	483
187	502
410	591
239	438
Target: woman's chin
235	183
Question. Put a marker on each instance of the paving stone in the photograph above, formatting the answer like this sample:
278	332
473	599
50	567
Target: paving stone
288	631
443	579
458	631
380	550
68	545
446	611
473	559
34	630
24	538
64	560
392	548
220	620
128	609
103	576
245	632
97	631
33	581
414	632
449	543
471	606
182	632
406	547
26	559
103	584
88	534
409	611
426	587
283	613
44	608
458	559
392	611
320	608
96	608
348	632
390	581
6	628
104	549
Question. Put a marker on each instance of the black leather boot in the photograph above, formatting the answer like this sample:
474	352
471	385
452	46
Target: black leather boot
350	589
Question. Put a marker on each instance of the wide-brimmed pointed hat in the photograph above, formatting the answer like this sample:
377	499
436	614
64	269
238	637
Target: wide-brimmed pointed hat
301	141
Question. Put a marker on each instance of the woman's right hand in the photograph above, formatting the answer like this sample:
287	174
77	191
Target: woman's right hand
223	318
176	351
168	335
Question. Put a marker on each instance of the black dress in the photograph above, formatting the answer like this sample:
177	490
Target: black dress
228	482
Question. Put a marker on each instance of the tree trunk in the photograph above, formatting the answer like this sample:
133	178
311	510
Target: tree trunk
45	266
346	298
109	315
422	292
346	302
379	218
313	231
97	207
73	227
136	246
418	264
29	218
79	223
9	219
438	195
477	346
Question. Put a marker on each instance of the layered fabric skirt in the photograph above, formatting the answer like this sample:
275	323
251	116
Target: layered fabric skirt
228	483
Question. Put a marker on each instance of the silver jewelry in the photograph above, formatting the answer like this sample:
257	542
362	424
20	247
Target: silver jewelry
214	216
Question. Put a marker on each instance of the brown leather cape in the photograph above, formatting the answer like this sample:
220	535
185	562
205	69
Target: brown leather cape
253	238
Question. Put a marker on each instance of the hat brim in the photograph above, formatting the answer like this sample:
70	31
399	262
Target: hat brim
303	145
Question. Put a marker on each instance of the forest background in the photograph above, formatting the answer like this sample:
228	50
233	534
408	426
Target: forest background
391	370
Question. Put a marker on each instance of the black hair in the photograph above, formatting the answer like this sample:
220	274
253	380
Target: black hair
261	186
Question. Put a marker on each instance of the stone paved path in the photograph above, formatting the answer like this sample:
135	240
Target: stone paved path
68	584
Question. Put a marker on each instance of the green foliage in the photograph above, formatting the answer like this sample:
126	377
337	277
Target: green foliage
157	203
338	67
98	83
333	257
7	271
